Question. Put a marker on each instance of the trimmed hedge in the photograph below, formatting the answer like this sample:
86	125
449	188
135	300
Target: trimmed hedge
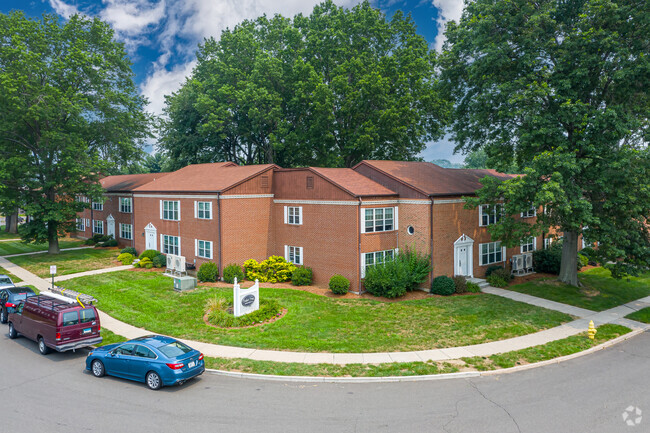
405	272
443	285
208	272
491	269
339	284
126	258
144	263
160	261
275	269
150	254
129	250
497	280
302	276
231	272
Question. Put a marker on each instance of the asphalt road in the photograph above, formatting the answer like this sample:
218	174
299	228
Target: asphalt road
54	393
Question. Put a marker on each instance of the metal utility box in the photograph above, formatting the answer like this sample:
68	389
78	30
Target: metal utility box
184	283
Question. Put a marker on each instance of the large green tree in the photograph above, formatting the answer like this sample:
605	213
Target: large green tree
332	88
69	112
561	88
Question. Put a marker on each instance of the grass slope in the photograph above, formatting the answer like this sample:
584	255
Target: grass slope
19	247
67	262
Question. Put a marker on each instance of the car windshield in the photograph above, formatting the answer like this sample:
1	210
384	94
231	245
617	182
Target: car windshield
175	349
5	281
19	297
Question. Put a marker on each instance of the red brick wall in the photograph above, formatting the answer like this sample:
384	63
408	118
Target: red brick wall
111	207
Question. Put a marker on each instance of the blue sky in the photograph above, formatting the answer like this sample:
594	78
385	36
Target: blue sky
161	36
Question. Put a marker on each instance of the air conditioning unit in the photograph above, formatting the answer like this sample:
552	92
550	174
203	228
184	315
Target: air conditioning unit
517	264
170	261
529	261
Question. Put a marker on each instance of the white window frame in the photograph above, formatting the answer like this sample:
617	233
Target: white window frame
290	253
496	248
165	247
96	205
547	243
123	207
101	224
491	217
201	208
87	222
375	255
207	246
170	213
81	227
373	212
530	213
123	231
293	215
528	245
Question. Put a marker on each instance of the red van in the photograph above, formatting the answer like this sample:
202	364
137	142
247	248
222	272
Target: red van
55	323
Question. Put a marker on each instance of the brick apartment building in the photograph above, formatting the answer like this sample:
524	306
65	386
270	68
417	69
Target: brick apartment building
333	220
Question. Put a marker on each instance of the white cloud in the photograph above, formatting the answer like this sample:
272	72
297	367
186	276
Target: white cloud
449	10
132	17
163	82
63	9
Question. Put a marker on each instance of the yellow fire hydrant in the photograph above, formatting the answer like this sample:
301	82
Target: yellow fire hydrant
592	330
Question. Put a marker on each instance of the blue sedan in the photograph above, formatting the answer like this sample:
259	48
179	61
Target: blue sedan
155	360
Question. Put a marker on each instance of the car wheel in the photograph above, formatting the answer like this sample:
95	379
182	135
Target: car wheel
3	316
153	380
42	347
12	331
97	368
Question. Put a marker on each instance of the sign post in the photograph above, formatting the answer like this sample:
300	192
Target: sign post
53	272
246	300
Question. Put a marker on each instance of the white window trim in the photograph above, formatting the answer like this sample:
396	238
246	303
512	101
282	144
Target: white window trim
81	227
525	214
130	204
480	215
120	228
286	215
480	255
162	243
196	209
100	206
93	227
162	207
286	254
521	246
395	219
363	258
548	242
196	249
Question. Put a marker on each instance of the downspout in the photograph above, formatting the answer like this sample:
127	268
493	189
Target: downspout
359	245
132	221
219	230
431	241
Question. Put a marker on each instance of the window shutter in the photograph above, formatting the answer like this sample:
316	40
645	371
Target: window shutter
396	252
196	246
286	215
301	258
534	244
161	209
300	216
162	245
211	250
363	265
480	215
196	209
179	246
363	221
395	216
286	250
179	213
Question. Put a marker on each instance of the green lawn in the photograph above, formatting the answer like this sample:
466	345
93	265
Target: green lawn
18	247
68	262
14	278
599	292
5	235
316	323
642	315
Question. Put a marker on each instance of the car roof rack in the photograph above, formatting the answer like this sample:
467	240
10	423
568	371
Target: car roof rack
48	302
79	297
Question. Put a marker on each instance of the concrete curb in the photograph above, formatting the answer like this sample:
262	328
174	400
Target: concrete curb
428	377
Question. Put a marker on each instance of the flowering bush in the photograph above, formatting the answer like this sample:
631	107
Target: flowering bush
275	269
126	258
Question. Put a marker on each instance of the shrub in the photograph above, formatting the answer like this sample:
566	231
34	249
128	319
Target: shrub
109	243
443	285
129	250
491	269
126	258
395	277
231	272
160	260
460	283
150	254
582	261
208	272
497	280
473	287
144	263
302	276
89	241
339	284
550	259
97	238
275	269
502	273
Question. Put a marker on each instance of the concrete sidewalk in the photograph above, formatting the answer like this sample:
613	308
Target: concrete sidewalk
613	315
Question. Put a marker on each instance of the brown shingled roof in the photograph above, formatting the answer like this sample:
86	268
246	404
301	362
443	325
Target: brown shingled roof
128	182
212	177
433	180
353	182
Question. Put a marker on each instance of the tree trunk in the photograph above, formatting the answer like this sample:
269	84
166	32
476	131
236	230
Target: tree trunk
11	222
52	238
569	264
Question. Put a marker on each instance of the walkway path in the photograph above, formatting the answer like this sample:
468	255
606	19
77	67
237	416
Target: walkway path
45	251
613	315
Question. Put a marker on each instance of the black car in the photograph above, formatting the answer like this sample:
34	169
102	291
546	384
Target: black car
10	297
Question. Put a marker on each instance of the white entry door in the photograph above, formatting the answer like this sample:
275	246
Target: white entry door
150	235
110	226
463	264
